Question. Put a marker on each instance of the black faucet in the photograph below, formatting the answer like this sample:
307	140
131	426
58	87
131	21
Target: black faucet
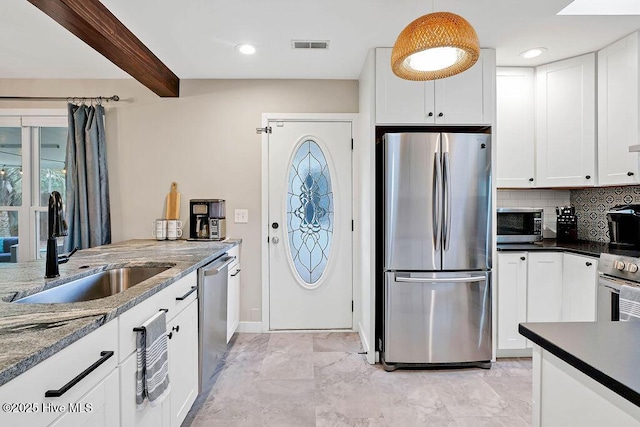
57	228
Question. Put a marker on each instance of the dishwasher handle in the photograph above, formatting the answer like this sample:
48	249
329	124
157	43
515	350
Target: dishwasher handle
215	269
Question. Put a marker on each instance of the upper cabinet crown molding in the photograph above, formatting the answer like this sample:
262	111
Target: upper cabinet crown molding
565	123
463	99
618	110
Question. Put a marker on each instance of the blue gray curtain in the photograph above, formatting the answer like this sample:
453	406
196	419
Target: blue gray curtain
87	206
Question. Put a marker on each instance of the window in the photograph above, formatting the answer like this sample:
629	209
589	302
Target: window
32	154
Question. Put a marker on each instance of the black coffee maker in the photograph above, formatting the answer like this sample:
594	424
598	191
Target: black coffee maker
567	224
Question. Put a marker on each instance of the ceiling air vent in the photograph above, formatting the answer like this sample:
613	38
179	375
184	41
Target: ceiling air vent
310	44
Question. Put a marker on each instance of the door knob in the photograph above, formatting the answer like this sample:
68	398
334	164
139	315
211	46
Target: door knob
440	114
588	176
275	240
430	114
275	226
522	258
629	173
530	179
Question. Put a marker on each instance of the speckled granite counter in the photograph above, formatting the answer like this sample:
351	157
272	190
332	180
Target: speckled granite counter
30	333
581	247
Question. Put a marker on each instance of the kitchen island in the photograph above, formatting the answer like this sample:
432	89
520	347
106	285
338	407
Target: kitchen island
31	333
585	373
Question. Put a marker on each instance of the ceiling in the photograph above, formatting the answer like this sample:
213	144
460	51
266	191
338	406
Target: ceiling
197	38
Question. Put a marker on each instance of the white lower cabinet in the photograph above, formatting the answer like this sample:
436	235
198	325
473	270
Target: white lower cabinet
543	287
579	288
182	325
130	414
183	362
100	407
98	350
233	293
512	299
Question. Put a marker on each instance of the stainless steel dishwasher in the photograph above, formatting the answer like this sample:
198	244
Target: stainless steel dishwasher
212	316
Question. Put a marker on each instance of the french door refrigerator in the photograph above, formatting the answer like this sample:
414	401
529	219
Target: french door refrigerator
437	249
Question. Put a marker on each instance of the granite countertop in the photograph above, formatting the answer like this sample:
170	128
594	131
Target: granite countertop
30	333
608	352
581	247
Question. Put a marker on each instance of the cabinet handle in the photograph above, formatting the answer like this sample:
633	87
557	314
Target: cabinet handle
629	173
176	328
183	297
236	273
522	258
170	335
430	114
530	179
104	356
440	114
588	264
588	176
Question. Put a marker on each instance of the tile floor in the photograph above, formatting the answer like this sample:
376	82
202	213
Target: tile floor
319	379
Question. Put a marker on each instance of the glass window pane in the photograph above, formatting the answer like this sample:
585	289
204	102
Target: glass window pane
8	236
10	166
42	233
309	212
53	146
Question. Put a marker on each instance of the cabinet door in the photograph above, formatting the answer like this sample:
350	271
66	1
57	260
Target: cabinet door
512	299
579	288
399	100
466	98
565	123
233	301
183	362
618	112
146	415
100	407
544	287
515	127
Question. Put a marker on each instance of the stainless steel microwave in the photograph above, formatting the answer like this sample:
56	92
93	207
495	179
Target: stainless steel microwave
519	225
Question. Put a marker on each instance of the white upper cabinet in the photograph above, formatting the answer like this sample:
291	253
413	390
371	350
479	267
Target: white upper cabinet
565	123
466	98
618	112
515	127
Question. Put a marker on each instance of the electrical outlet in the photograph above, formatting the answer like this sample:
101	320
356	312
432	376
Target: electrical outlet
242	216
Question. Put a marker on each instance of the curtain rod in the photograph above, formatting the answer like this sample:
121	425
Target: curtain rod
60	98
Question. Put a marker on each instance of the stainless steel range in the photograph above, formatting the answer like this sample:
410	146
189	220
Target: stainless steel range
615	271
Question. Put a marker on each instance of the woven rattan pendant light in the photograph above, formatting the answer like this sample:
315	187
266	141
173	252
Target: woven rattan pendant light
435	46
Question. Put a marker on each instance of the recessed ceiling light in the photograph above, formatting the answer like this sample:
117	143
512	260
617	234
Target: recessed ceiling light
246	48
532	53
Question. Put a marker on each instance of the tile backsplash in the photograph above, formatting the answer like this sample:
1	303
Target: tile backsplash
592	205
546	199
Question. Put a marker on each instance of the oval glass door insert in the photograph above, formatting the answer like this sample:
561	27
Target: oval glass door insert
309	212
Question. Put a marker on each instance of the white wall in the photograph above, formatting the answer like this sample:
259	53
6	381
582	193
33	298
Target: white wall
364	208
205	141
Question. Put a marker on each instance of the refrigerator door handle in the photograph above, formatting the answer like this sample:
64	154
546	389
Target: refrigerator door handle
441	280
435	194
447	202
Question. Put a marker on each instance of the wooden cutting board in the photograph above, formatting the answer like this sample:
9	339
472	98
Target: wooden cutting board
173	202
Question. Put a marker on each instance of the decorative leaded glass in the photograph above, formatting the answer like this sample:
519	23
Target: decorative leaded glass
309	211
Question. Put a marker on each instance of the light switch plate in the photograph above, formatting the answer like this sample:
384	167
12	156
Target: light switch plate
241	216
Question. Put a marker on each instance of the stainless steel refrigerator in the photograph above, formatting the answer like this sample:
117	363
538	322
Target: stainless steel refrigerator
437	249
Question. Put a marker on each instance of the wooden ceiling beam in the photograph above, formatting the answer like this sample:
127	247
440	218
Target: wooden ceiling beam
94	24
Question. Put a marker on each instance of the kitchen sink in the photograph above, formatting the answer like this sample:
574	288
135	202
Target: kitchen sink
99	285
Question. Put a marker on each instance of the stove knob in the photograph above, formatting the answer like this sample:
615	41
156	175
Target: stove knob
618	265
632	268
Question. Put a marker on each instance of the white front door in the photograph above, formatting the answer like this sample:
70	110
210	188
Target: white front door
310	257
